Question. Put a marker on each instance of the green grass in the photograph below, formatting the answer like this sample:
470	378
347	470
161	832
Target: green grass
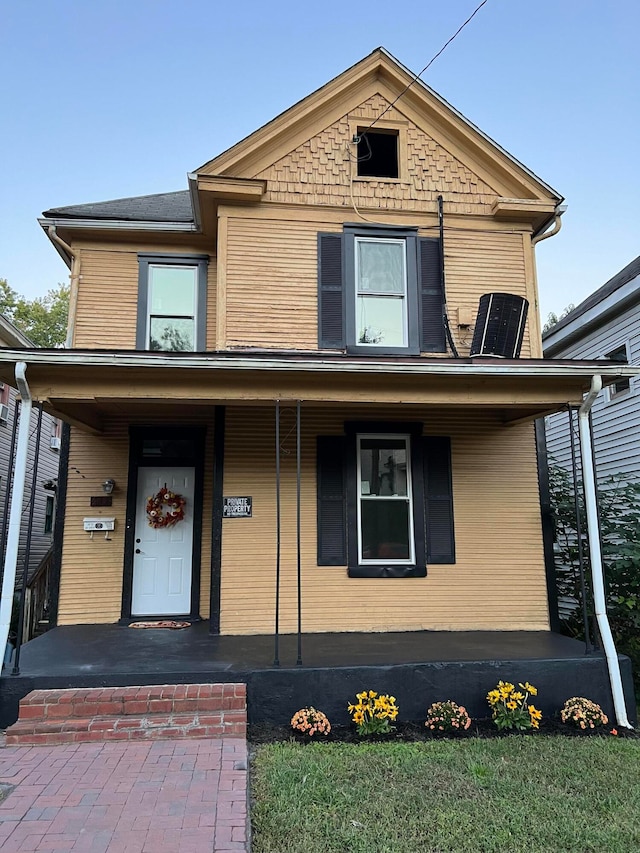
519	793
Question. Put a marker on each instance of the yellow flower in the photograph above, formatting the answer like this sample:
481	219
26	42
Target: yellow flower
517	696
534	713
372	694
511	705
358	717
361	696
529	688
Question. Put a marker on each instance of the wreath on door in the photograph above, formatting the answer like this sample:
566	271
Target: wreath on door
165	509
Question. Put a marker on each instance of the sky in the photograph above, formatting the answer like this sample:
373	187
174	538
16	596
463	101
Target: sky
103	99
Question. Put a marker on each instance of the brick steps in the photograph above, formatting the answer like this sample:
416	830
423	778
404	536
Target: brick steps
157	712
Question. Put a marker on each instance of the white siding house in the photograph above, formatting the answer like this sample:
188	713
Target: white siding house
605	325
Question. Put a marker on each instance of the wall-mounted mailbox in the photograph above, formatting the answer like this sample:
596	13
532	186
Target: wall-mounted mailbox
99	524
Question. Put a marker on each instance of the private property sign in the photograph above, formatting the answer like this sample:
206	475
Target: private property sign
237	507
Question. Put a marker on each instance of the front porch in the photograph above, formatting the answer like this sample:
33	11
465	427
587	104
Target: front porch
417	667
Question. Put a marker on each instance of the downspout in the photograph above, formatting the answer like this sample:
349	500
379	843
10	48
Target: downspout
74	279
19	476
597	574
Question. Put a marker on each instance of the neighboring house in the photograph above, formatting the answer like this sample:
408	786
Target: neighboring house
606	325
301	278
47	469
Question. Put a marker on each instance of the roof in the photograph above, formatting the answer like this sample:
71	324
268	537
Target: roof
160	207
12	337
604	302
630	272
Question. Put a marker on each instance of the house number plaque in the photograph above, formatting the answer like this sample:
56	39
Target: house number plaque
237	508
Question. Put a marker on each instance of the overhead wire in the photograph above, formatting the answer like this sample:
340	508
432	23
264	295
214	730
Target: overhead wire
428	65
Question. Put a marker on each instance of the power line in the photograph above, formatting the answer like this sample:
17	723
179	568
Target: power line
428	65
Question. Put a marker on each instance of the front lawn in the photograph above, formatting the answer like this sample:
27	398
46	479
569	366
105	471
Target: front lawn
511	794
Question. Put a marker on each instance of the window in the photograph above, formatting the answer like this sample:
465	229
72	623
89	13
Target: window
385	529
48	514
385	500
380	291
378	153
623	386
172	303
4	403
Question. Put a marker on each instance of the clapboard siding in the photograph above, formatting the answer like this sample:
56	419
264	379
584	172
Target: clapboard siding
108	296
272	287
47	470
496	583
616	421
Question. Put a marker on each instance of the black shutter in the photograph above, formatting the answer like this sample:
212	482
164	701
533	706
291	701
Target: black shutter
432	334
330	292
439	500
332	522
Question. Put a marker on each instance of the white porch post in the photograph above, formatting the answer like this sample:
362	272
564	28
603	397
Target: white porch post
13	533
597	574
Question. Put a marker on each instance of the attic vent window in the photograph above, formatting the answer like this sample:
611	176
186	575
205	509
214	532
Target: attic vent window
378	154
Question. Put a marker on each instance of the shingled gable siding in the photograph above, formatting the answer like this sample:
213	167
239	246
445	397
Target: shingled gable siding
496	583
108	296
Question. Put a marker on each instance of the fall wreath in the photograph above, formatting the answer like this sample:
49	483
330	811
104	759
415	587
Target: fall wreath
165	509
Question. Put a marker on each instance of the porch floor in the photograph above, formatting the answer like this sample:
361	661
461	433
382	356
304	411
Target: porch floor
108	650
418	667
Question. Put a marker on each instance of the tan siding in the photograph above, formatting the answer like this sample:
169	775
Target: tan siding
320	171
272	273
92	569
497	582
108	296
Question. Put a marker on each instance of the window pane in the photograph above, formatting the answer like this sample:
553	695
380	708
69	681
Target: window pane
385	530
168	448
171	334
172	291
383	467
381	321
381	266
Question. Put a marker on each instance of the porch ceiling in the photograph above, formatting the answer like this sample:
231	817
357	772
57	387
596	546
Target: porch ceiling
87	387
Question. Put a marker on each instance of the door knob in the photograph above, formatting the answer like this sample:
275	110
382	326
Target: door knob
138	551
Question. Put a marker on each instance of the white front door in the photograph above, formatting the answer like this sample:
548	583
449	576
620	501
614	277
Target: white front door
162	557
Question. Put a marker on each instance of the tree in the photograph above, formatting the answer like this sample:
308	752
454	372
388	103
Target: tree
552	318
43	319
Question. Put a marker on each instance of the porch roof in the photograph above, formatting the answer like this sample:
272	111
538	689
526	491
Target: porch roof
84	387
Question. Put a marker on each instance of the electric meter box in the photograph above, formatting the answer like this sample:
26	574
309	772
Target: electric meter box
97	524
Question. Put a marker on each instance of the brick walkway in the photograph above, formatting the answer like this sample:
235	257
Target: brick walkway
187	796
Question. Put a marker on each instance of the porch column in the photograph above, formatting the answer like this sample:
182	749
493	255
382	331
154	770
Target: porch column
13	536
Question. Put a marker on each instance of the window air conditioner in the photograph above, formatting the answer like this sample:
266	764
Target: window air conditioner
55	442
4	413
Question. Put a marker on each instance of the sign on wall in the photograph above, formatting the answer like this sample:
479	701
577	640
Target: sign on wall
237	507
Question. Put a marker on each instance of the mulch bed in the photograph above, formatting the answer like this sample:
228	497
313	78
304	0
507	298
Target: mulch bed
417	732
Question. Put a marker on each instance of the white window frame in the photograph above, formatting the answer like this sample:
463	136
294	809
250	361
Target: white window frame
404	296
408	498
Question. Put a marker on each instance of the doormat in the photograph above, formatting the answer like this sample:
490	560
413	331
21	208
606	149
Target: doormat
163	623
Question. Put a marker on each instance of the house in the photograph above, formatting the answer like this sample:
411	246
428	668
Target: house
278	431
42	480
605	325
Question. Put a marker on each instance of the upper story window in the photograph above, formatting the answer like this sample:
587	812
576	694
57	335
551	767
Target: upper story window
4	403
380	291
623	386
378	154
172	295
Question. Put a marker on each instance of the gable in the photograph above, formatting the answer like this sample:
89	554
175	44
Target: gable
375	82
320	170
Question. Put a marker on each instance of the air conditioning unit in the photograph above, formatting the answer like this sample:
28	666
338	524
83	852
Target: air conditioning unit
499	327
4	413
55	442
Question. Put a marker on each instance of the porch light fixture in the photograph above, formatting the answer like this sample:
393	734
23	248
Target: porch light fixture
108	486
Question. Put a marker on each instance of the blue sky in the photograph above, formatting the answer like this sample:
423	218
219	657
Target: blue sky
101	99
